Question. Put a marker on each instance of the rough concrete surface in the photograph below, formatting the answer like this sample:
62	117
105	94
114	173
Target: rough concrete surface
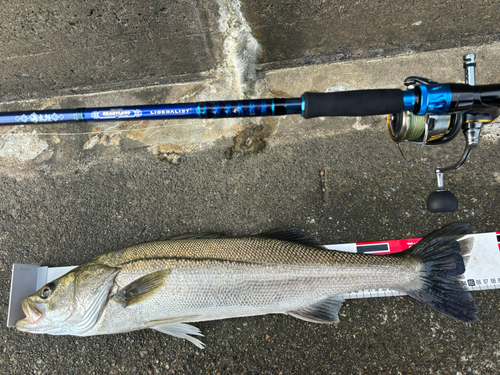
70	192
53	48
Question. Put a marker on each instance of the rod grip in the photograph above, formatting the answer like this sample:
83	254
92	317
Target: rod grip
352	103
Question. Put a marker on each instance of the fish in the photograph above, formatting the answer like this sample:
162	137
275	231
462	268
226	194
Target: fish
165	285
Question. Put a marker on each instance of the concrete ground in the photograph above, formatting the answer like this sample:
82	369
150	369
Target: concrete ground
71	202
70	192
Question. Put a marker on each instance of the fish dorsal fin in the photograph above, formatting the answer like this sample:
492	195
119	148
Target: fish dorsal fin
324	311
142	288
193	236
182	331
290	234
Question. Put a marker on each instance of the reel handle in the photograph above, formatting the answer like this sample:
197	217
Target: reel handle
441	200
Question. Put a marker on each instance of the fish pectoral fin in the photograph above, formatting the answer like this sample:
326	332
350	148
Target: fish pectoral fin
142	288
182	331
323	311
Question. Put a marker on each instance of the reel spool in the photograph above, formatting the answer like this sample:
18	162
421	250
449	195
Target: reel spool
425	130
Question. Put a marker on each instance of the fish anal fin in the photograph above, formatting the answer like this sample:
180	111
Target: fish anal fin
324	311
142	288
182	331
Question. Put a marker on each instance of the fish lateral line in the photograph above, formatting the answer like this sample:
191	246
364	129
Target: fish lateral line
190	259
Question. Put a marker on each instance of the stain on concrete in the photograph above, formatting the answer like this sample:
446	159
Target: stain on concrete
252	139
167	148
22	146
171	157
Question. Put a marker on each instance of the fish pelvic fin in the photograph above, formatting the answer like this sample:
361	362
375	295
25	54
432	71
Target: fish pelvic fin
323	311
182	331
142	288
442	256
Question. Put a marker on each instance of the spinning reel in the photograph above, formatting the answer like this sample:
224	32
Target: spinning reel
438	129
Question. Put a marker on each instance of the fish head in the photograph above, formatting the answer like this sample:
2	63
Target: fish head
49	307
69	305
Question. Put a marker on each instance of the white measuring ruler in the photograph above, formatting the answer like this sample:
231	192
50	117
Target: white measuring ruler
482	270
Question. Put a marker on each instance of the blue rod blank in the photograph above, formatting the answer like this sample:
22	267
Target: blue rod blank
217	109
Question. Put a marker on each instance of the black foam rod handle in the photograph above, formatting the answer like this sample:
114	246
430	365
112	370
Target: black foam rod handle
353	103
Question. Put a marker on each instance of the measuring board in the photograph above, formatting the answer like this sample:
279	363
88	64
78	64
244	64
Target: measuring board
482	270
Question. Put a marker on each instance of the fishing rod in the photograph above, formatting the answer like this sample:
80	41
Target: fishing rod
427	113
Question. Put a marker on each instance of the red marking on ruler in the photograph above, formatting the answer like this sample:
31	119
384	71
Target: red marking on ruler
395	246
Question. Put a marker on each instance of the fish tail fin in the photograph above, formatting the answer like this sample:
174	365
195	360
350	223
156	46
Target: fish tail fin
440	286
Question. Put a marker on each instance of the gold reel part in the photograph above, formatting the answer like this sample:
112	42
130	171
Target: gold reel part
405	126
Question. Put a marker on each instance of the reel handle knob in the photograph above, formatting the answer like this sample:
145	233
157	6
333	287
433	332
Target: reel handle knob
442	201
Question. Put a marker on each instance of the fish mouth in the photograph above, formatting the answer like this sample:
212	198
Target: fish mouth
32	311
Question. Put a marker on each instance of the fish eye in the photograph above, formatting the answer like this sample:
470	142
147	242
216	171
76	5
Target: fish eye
46	291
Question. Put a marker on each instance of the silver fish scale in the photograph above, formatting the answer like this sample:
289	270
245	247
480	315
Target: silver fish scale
229	277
